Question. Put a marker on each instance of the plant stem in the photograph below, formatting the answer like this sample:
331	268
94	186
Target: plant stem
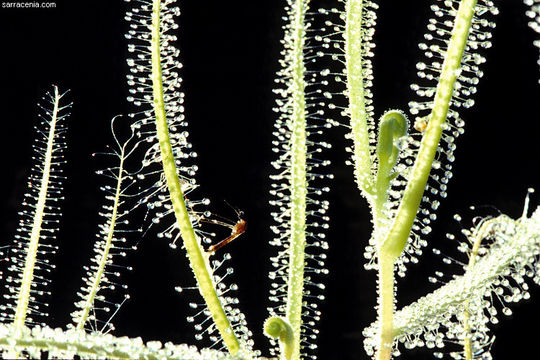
31	251
298	181
505	257
65	343
354	45
386	308
88	305
467	345
397	237
198	261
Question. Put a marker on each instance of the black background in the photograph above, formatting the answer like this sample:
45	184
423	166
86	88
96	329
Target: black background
230	52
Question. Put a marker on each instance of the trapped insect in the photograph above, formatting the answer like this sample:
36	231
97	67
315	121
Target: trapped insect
237	229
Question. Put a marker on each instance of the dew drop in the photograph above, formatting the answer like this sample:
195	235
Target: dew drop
507	311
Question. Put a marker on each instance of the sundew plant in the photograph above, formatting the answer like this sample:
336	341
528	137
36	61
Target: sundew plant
252	180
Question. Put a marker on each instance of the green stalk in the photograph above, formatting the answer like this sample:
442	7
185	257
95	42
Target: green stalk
298	181
467	344
508	256
397	237
31	251
386	308
198	260
108	243
392	127
354	40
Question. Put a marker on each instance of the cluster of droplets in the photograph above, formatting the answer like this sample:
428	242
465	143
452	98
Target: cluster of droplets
435	49
439	179
227	293
507	253
300	103
49	218
42	342
95	310
533	13
141	88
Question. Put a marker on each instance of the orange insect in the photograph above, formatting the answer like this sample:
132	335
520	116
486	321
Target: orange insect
236	230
